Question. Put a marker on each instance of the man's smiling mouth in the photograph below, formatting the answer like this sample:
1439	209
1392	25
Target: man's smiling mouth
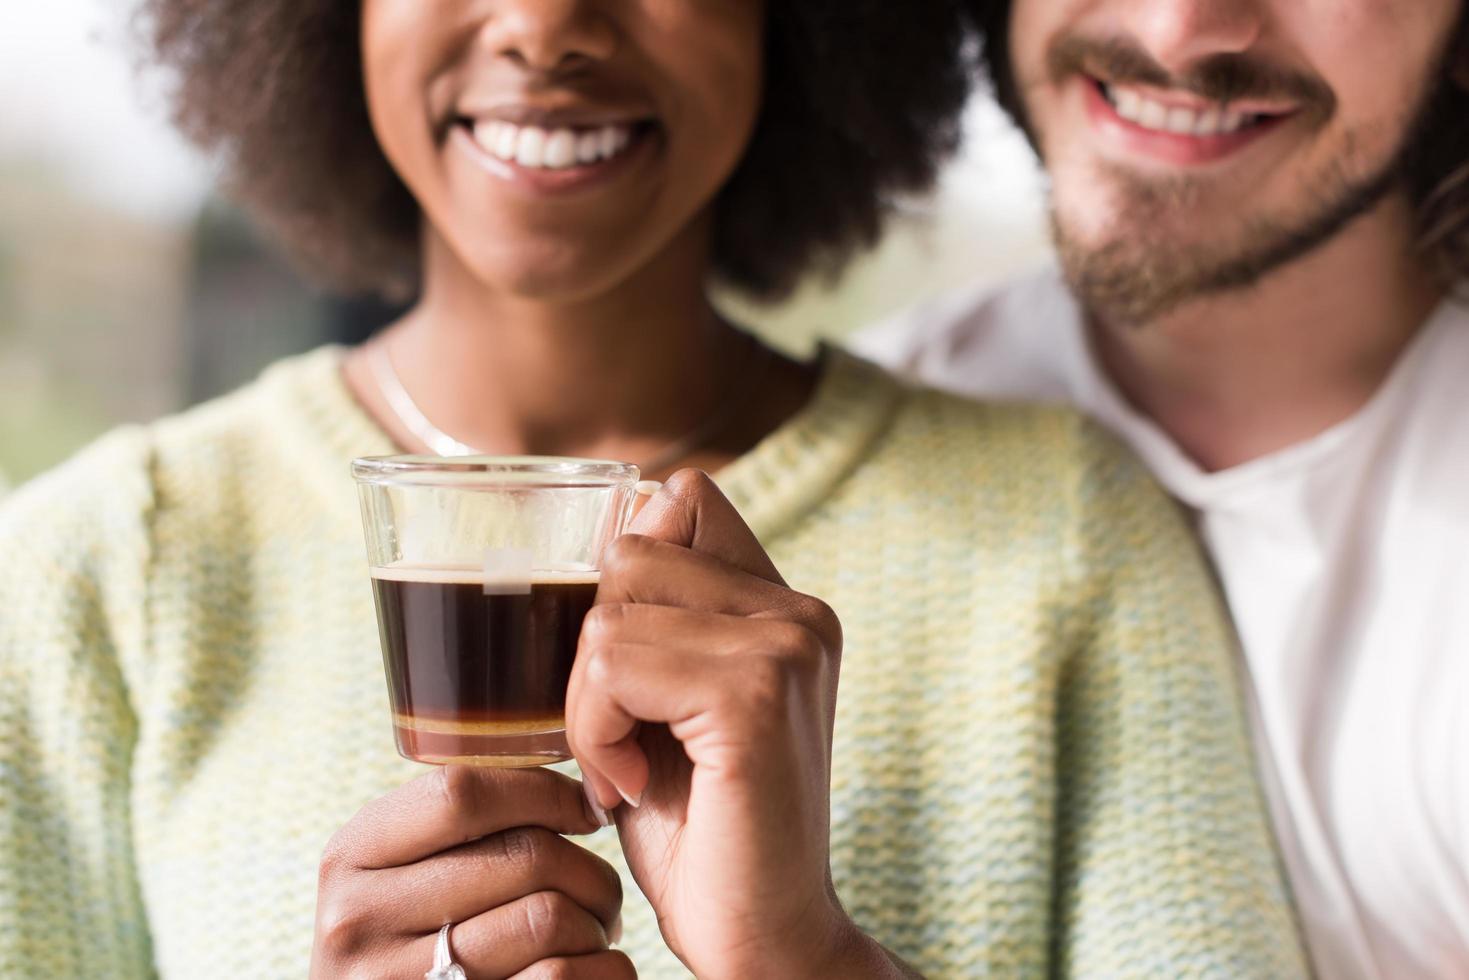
1195	118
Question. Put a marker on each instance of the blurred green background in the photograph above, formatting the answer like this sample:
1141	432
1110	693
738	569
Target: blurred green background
128	289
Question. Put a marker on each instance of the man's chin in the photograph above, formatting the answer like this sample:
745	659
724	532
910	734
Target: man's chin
1116	285
1136	246
1142	269
1129	268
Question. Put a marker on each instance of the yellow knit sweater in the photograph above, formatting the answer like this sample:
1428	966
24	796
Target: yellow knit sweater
1039	761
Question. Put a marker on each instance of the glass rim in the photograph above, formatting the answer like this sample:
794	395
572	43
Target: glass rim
550	472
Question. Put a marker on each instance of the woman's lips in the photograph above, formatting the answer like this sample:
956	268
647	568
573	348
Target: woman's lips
557	159
561	148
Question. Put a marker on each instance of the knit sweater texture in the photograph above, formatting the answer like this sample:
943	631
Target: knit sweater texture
1040	767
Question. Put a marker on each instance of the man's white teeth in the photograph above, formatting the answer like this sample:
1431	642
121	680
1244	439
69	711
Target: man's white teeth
499	139
1216	120
556	149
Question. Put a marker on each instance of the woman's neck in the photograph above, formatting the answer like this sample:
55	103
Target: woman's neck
621	374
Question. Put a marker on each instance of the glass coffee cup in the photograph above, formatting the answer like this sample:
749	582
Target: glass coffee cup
482	571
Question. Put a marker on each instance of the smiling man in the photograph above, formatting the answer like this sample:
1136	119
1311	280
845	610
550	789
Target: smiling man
1261	212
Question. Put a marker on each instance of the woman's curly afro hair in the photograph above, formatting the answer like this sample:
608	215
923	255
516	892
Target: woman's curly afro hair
863	101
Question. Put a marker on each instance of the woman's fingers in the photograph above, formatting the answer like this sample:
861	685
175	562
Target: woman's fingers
464	881
451	806
513	937
610	964
637	568
691	511
478	848
718	682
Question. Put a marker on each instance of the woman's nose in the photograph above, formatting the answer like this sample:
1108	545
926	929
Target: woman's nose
550	35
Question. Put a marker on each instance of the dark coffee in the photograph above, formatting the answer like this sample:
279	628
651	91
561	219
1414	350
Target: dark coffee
468	666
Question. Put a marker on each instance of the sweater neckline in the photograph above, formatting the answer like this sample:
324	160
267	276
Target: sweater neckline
787	474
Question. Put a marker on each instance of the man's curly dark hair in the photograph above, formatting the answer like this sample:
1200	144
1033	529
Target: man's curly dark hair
862	104
1435	171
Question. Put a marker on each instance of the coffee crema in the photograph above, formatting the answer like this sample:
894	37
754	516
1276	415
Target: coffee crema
477	672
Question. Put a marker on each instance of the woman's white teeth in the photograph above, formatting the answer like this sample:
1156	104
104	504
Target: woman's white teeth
560	149
1149	114
556	149
589	147
530	148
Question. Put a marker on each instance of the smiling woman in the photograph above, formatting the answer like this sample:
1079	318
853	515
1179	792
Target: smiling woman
678	85
550	143
830	145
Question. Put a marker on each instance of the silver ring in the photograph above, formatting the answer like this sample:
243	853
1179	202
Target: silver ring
444	966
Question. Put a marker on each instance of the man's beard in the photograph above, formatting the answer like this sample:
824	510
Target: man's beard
1139	273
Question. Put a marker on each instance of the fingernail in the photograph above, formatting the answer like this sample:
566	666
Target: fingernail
632	801
599	814
644	491
614	934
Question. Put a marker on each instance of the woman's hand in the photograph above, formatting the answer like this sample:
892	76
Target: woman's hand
704	694
479	848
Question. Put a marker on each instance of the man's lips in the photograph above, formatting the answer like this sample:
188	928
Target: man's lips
1172	96
1178	127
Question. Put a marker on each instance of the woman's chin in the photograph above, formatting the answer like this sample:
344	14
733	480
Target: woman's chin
533	272
548	286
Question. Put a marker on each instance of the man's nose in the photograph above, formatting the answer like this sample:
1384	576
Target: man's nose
1181	33
549	35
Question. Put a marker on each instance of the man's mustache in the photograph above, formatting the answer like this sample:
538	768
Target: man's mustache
1221	78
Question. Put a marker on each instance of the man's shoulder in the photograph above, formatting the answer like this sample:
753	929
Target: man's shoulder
975	308
1017	340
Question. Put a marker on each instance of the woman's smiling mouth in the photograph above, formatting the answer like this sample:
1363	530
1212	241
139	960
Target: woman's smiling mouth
542	153
538	148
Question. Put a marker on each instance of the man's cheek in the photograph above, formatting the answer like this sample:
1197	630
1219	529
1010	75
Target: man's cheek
1079	204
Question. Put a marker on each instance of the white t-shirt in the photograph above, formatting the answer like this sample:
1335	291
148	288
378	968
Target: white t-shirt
1345	560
